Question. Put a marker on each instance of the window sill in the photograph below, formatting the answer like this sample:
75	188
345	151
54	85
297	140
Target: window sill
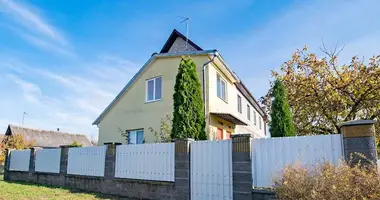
152	101
225	101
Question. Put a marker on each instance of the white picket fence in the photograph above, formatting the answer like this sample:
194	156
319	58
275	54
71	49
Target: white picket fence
211	170
271	155
48	160
145	161
87	161
20	160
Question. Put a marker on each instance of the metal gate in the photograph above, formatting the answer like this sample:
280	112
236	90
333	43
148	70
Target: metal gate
211	170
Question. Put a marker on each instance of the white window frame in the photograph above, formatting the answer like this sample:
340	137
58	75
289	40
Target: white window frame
260	122
254	117
154	89
248	112
135	130
221	79
239	103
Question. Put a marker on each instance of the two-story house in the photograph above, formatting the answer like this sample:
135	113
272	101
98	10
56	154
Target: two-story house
148	97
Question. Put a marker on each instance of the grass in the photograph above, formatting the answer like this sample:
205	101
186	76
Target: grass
24	191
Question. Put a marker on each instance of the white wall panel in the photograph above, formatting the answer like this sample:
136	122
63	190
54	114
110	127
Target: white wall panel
48	160
145	161
271	155
211	170
87	161
20	160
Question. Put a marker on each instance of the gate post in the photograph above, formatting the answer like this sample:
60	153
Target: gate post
64	160
110	162
359	141
241	167
7	164
182	169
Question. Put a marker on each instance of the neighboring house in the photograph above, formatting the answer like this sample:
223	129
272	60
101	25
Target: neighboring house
148	97
47	139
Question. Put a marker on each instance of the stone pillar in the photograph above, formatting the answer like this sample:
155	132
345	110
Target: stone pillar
109	170
241	166
32	161
64	160
359	141
182	169
7	163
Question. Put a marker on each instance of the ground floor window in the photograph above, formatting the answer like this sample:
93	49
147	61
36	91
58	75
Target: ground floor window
136	136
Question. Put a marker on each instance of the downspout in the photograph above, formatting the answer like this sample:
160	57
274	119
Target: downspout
204	80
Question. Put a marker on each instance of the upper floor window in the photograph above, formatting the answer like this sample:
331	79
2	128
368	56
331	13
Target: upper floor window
136	136
248	112
221	87
254	117
239	103
154	89
260	122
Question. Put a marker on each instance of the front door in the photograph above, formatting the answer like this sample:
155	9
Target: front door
228	135
219	134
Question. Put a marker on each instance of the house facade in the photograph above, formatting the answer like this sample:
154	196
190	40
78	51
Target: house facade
148	98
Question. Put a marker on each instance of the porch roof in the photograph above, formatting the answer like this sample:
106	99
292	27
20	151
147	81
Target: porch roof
229	117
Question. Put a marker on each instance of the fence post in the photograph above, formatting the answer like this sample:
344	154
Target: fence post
7	163
64	160
182	169
241	166
109	170
32	161
359	141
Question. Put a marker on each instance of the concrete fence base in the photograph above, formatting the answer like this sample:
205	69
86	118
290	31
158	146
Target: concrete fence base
358	137
139	189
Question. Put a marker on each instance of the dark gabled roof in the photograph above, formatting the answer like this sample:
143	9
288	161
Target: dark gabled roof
172	39
44	138
248	95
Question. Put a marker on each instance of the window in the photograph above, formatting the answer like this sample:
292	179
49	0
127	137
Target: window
254	117
136	136
260	122
248	112
239	103
221	87
154	89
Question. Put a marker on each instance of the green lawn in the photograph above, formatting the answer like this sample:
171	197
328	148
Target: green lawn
22	191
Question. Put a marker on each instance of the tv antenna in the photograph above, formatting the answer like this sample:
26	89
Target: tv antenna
23	117
186	21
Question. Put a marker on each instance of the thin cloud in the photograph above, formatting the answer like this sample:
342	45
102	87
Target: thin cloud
31	92
69	102
350	23
31	20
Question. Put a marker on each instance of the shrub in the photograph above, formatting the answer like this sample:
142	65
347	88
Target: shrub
76	144
163	135
13	142
326	181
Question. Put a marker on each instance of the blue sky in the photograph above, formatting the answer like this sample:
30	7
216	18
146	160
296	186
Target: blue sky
62	62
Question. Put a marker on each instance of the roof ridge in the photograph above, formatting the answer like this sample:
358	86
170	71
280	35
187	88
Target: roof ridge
42	130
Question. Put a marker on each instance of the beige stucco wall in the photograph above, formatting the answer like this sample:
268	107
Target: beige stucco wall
230	106
132	112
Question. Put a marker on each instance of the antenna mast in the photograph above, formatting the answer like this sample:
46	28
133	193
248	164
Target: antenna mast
186	20
23	117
